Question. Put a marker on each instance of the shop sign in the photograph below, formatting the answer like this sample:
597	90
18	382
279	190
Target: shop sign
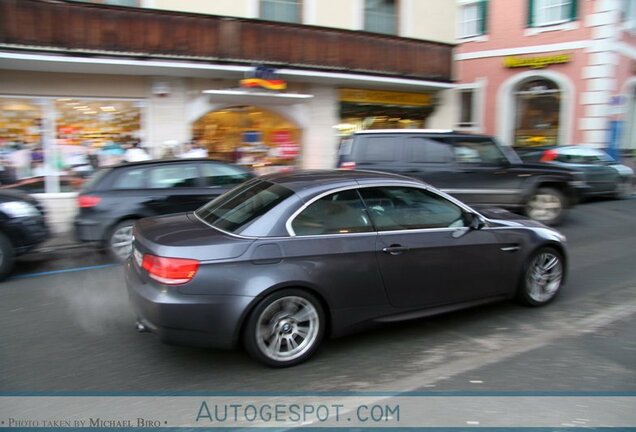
263	77
380	97
536	62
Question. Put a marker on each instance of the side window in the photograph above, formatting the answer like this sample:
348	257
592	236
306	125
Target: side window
131	179
424	150
403	208
338	213
478	150
378	149
175	176
222	175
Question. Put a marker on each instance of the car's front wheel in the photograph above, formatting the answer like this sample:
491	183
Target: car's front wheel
7	255
119	240
285	328
546	205
542	277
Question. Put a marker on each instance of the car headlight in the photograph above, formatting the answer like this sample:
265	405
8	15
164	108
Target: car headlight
17	209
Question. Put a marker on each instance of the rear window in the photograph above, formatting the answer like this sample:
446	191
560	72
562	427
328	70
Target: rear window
237	209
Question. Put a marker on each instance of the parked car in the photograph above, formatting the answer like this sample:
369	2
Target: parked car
473	168
22	227
285	259
602	173
37	184
112	200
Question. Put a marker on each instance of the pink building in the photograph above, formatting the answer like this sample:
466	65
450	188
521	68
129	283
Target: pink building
548	71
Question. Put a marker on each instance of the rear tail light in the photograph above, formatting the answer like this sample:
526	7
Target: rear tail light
87	201
170	271
348	165
548	156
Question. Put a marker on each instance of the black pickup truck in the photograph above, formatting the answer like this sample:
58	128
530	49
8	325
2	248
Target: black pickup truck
473	168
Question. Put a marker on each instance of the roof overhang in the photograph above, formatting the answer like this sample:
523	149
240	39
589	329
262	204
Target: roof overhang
65	63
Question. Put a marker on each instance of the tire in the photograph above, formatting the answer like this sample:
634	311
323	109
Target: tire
546	205
542	277
285	328
118	243
7	256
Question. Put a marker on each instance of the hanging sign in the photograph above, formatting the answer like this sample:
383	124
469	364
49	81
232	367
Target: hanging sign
263	77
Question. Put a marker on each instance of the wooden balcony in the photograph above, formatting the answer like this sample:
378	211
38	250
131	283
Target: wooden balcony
90	29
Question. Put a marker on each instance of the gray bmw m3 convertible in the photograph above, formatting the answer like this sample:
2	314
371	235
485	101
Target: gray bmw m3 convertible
282	261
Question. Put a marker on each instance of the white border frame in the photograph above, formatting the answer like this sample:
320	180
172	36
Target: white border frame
506	104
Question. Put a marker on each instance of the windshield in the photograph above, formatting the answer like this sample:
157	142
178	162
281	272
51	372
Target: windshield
235	210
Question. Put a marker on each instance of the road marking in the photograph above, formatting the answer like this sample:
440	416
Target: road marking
53	272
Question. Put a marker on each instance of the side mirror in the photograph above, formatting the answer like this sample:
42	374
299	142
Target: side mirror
474	221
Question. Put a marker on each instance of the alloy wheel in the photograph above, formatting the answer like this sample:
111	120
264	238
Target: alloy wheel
287	328
544	207
544	276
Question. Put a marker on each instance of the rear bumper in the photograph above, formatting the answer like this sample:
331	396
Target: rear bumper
194	320
88	230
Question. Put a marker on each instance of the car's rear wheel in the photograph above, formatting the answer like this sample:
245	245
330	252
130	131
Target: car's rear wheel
542	278
7	256
285	328
546	205
119	240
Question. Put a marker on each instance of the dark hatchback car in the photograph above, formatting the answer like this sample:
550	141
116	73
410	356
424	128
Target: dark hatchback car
473	168
22	227
604	175
286	259
112	200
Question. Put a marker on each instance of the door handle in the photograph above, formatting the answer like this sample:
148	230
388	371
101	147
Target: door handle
395	249
513	248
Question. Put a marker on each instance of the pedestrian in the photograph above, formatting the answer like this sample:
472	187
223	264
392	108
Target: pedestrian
135	153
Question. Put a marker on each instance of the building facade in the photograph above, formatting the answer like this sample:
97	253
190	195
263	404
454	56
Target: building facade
561	72
268	83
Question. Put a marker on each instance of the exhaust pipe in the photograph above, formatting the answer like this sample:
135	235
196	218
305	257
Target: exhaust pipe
141	328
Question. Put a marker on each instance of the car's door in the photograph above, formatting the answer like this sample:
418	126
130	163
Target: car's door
482	173
333	247
426	254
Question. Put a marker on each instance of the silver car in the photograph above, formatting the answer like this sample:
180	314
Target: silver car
284	260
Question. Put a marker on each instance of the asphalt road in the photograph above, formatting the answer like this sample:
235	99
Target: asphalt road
74	331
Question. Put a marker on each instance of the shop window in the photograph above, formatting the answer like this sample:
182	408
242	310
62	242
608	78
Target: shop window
551	12
538	107
250	136
380	16
281	10
472	15
88	134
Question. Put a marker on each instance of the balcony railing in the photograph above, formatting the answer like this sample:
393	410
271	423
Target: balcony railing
91	29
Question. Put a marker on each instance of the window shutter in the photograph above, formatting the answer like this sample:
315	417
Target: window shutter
573	10
484	16
530	13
